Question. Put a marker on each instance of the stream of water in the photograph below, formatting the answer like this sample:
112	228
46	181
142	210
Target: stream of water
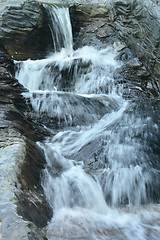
99	179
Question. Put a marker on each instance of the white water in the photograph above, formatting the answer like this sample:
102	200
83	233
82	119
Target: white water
93	104
60	28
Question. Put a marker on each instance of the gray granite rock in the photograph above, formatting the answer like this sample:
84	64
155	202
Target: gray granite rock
138	25
23	208
12	157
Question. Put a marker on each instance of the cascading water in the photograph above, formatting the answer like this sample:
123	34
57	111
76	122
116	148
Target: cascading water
99	170
60	28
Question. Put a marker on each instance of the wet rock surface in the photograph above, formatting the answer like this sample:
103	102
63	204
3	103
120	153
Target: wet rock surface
20	168
12	152
137	24
91	26
24	30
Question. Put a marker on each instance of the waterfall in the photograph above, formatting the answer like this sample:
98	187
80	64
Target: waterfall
60	26
100	178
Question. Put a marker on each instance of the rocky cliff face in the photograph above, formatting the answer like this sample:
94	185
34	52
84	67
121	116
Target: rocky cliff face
24	30
24	33
20	167
137	24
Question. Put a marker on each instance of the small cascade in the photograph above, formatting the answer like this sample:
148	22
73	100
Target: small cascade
88	71
67	108
102	175
67	190
60	26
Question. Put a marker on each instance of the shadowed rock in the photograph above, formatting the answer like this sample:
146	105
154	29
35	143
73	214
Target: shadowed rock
137	24
24	30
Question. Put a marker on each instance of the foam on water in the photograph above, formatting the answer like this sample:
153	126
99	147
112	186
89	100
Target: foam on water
80	223
97	78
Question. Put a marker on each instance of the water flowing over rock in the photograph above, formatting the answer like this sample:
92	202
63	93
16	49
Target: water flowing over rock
79	133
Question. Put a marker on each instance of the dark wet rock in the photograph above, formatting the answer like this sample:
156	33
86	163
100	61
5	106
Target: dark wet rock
134	63
64	77
137	24
125	54
24	30
25	34
3	70
31	201
91	26
6	62
136	80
